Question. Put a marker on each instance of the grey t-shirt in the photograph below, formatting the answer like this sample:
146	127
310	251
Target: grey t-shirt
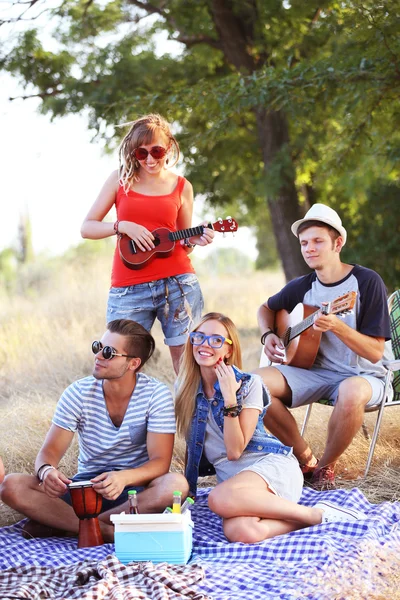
370	316
214	447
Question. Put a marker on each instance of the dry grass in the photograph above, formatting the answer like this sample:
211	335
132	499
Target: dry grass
372	574
45	345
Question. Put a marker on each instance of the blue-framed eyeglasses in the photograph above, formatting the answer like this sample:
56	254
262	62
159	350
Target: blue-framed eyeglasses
214	341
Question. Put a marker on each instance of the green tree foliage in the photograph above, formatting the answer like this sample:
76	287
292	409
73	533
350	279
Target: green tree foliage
375	233
8	269
277	104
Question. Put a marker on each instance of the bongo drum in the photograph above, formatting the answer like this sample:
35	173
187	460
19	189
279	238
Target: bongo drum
87	504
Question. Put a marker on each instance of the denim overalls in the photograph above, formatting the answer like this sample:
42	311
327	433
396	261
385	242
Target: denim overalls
261	441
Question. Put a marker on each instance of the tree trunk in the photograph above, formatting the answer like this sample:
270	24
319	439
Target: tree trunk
235	28
283	202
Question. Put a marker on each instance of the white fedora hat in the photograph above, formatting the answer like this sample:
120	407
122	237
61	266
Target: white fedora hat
325	214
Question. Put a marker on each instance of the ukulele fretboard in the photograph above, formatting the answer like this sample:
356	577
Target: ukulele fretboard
187	233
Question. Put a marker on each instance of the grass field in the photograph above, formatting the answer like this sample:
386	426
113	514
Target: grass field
45	339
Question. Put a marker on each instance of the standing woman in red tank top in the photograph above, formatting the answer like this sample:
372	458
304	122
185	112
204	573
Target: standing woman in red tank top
148	195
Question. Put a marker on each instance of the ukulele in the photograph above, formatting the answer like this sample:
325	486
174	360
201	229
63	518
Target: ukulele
164	242
295	329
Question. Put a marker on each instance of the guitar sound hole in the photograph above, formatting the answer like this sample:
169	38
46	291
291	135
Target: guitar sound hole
156	241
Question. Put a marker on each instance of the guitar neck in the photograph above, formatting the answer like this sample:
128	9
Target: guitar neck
298	329
181	234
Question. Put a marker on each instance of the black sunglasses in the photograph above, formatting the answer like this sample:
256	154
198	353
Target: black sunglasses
108	352
157	152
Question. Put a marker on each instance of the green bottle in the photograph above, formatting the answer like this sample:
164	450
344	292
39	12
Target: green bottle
132	502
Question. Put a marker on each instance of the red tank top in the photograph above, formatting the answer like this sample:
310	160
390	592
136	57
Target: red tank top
151	212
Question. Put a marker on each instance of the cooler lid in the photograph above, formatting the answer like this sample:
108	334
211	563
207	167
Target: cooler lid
152	518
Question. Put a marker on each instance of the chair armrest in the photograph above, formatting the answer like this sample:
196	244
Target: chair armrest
393	365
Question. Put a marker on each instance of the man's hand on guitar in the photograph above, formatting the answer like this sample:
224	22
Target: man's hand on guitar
274	349
326	322
142	237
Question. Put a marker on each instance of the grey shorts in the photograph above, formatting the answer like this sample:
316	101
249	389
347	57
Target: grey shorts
314	384
281	473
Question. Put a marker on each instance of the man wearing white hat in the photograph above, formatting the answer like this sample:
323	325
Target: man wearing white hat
348	367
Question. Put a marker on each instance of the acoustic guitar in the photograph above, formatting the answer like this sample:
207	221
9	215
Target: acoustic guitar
295	329
164	242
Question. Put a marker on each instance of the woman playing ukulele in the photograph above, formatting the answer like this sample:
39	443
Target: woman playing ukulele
147	195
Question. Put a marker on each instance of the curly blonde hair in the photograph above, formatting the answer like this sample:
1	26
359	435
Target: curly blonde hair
141	133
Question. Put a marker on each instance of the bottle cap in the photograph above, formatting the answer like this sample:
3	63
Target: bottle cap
189	500
177	493
132	492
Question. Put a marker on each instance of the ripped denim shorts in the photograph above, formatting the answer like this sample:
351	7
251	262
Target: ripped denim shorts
176	301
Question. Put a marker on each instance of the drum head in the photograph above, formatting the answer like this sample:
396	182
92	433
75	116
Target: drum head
80	484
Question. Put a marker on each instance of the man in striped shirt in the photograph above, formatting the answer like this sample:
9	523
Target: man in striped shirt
125	423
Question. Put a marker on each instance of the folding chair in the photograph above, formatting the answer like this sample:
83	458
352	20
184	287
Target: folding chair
391	376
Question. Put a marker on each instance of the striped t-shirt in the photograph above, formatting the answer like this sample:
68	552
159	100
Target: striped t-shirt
102	445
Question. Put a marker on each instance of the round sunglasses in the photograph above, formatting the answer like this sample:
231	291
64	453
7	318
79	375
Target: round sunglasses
108	352
156	152
214	341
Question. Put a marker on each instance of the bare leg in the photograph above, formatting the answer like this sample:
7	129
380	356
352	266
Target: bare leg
252	513
354	394
23	493
278	419
176	353
250	530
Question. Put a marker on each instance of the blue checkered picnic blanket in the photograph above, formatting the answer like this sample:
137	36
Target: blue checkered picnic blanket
308	563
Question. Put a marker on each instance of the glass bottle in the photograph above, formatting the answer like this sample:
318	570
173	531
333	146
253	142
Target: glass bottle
132	502
187	504
176	502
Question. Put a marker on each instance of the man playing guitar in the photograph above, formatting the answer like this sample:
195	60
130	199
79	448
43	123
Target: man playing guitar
348	367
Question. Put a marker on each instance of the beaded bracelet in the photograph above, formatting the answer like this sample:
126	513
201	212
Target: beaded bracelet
188	244
116	225
232	411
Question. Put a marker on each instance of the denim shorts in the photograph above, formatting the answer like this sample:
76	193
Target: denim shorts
176	301
107	504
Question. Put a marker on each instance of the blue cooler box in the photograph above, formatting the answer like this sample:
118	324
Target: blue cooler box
155	537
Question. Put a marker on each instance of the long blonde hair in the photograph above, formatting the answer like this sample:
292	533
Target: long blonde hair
141	133
189	377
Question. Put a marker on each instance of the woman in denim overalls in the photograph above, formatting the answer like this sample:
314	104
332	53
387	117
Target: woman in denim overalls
219	410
